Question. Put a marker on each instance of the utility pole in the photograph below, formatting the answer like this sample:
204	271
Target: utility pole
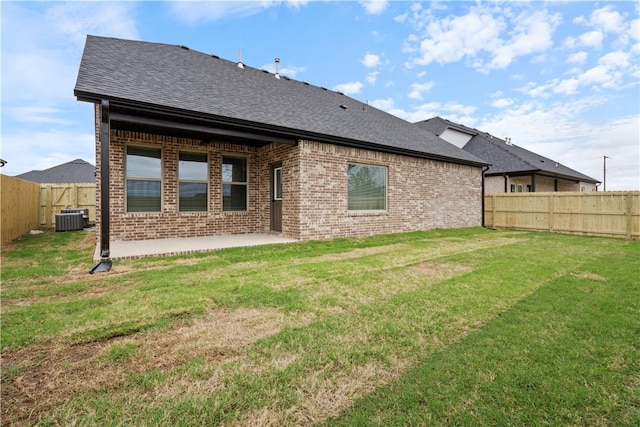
605	172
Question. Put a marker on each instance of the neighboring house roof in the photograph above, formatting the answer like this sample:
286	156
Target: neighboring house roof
179	82
505	157
74	171
437	125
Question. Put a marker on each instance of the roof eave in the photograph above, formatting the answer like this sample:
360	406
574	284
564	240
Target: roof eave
547	174
267	129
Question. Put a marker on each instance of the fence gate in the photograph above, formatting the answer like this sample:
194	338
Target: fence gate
55	197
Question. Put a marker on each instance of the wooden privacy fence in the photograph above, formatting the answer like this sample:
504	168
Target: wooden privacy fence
19	206
607	214
55	197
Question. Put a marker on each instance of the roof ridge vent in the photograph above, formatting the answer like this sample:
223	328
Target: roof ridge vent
507	140
184	47
277	75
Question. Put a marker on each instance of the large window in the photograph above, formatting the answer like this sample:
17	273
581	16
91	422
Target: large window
144	179
234	183
193	173
367	187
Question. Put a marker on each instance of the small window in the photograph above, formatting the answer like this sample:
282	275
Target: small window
520	188
234	184
193	185
277	184
513	188
367	187
144	179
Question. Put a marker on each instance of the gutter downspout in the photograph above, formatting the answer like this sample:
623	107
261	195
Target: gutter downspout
104	179
484	169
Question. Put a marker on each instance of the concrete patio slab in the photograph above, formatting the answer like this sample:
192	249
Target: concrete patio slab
161	247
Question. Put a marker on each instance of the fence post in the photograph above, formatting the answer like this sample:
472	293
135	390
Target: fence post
628	217
47	205
493	210
552	212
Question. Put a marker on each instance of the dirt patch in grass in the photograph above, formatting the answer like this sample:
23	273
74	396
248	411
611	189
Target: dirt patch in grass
356	253
413	277
326	392
589	276
439	271
38	378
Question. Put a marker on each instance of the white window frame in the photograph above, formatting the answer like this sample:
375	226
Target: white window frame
275	183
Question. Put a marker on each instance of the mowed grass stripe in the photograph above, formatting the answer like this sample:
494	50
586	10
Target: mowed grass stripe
565	355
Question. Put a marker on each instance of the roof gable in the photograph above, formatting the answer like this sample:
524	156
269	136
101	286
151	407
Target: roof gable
179	79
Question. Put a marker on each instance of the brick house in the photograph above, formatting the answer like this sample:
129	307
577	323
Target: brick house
513	169
190	145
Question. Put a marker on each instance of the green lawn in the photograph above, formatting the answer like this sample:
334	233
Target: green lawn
445	327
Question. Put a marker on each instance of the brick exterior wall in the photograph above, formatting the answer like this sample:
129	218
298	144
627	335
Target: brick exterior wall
422	194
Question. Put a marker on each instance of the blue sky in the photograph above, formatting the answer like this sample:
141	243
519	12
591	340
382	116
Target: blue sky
561	79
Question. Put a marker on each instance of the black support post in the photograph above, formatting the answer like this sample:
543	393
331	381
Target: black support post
104	179
533	183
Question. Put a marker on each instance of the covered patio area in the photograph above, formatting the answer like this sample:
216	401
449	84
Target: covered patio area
131	249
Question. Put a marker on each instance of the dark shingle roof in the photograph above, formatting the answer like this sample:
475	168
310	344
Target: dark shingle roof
179	79
437	125
504	158
74	171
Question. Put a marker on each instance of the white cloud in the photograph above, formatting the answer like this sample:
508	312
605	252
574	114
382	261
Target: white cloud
578	57
76	20
532	33
401	18
607	19
41	50
592	39
567	86
502	102
419	89
634	29
450	39
372	77
284	70
383	104
370	60
349	88
453	111
195	12
489	39
28	150
43	124
614	70
375	7
38	115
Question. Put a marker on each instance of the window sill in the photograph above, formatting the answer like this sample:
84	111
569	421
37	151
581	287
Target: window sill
367	213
